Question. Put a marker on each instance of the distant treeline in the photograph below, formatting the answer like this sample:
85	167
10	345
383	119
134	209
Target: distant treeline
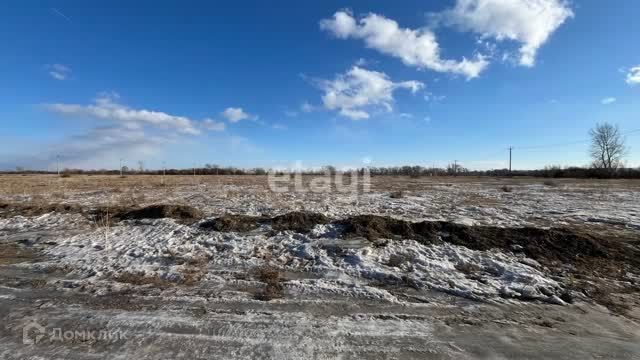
414	171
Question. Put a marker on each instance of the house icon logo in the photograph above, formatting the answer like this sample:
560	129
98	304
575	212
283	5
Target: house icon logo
32	332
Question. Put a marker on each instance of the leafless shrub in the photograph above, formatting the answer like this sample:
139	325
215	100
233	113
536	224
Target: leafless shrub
550	183
506	188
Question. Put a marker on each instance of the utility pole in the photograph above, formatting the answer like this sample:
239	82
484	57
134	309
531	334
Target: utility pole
121	175
455	167
163	172
58	165
510	148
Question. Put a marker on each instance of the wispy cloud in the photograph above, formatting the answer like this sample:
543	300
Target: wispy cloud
60	14
106	107
307	107
290	113
122	131
59	71
431	97
608	100
213	125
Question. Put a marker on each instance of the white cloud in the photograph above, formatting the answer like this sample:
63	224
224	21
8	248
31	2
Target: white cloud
529	22
213	125
106	108
427	119
358	91
59	71
236	114
418	48
633	76
406	115
608	100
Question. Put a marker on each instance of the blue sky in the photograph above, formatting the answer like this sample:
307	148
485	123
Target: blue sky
254	83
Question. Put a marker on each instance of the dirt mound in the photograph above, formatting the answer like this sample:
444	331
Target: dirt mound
36	209
298	221
561	245
375	227
547	246
237	223
182	213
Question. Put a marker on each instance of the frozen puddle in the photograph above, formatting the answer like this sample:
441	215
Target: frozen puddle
165	251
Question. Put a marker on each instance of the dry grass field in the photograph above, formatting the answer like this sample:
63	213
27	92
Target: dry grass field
436	266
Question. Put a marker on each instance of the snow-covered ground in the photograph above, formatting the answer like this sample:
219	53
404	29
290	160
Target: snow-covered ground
176	266
162	249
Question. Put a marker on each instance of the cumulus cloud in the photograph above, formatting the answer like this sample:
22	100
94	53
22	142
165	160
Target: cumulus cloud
529	22
358	91
633	76
608	100
418	48
106	107
236	114
59	71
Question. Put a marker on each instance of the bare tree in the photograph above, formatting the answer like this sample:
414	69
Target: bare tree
141	166
607	147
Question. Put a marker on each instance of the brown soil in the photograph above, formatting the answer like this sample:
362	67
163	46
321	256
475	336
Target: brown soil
298	221
237	223
36	209
273	289
545	245
182	213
